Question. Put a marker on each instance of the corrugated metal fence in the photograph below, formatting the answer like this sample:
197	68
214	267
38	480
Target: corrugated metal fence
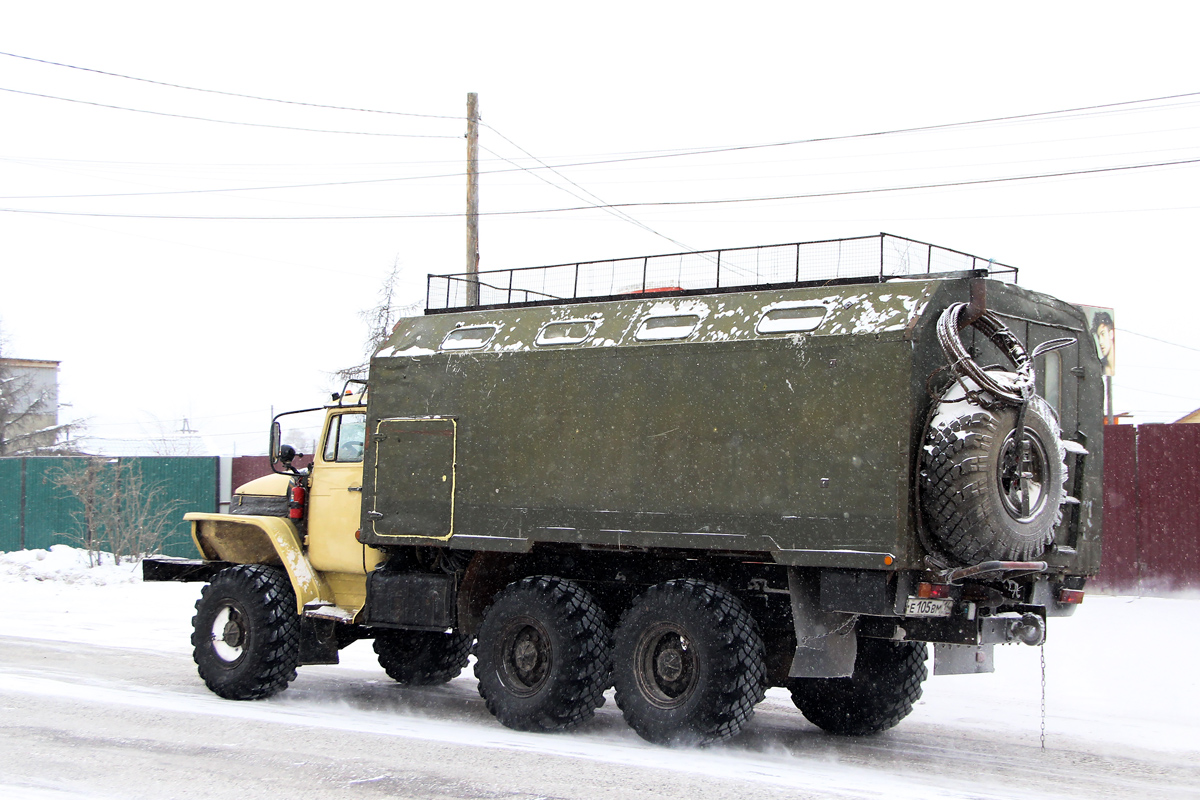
1151	503
1151	500
34	513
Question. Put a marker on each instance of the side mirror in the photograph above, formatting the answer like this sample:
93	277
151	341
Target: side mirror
273	449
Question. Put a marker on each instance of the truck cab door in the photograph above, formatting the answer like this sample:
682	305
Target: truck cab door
335	498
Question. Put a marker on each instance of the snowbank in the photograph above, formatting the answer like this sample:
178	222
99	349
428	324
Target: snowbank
66	564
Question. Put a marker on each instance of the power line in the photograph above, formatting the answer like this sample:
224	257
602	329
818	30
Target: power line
227	94
615	212
1156	339
888	132
229	121
683	152
647	204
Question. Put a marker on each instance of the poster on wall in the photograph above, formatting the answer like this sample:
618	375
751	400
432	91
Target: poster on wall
1102	326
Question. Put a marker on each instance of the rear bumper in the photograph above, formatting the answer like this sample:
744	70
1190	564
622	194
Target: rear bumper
169	568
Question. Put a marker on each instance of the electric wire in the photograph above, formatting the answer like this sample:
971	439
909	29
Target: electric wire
232	122
644	204
1090	110
1156	339
600	201
227	94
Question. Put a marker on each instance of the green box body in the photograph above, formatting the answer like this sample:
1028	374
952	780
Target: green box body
800	446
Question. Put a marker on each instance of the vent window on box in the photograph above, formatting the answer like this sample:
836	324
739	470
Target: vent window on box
471	338
791	319
658	329
571	331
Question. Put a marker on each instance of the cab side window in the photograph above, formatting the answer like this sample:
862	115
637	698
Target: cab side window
344	442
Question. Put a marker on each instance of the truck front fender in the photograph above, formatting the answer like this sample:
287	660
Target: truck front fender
245	539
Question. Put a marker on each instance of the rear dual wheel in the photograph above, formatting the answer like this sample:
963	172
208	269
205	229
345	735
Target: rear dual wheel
886	683
689	664
544	656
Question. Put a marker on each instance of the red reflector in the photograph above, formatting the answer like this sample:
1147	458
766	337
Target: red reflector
358	536
1070	596
933	590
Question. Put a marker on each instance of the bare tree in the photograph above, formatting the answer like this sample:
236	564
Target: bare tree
380	319
119	512
24	408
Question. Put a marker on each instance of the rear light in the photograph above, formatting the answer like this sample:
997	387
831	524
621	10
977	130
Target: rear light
933	590
1070	596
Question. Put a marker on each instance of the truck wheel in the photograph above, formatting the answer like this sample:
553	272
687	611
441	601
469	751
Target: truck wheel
971	485
881	692
422	658
689	664
544	654
246	633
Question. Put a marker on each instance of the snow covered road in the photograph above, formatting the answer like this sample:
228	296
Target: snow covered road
99	698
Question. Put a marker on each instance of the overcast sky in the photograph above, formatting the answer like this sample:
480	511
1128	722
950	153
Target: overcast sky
217	320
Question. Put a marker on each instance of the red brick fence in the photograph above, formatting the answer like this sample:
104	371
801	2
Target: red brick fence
1151	508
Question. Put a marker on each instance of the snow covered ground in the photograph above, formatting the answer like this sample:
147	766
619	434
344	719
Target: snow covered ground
1122	687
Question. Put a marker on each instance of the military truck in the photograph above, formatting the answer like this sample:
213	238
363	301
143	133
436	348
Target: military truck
689	478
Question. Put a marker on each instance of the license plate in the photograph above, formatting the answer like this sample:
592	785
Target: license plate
924	607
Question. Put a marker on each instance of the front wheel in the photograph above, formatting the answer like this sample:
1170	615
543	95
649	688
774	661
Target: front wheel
246	632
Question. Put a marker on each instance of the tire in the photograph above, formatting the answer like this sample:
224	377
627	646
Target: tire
544	655
246	633
422	658
881	692
972	500
689	664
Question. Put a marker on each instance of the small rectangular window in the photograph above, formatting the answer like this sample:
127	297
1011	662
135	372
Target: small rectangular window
470	338
657	329
571	331
795	319
1052	375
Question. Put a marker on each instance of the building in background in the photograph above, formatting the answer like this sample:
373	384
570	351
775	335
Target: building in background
29	407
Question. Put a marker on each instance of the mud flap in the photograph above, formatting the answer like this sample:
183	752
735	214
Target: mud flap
827	643
318	642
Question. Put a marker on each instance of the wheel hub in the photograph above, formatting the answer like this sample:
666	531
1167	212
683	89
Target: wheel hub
232	634
525	656
669	664
1022	480
229	634
666	666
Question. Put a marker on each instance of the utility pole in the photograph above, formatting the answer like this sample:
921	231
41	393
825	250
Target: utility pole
472	199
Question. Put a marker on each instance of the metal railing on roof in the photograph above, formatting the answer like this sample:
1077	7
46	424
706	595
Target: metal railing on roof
860	259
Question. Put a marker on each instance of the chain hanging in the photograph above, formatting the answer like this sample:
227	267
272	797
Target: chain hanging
1042	648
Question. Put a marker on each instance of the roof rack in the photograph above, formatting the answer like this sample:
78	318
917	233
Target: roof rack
863	259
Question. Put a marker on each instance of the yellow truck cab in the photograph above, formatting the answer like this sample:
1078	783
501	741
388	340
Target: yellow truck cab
309	530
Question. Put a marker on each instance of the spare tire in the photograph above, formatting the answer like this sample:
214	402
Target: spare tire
978	502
